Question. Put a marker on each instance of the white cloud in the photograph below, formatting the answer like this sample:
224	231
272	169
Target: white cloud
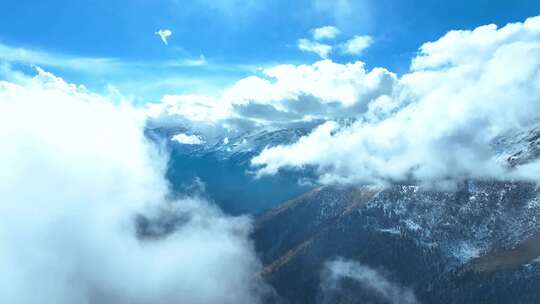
196	108
464	90
321	49
325	32
281	94
91	65
459	48
195	62
12	54
79	172
370	280
325	80
187	139
357	45
164	35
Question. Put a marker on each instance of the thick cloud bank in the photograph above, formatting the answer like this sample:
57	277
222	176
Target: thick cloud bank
372	282
439	121
76	172
282	95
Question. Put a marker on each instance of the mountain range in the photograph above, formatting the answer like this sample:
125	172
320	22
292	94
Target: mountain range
477	243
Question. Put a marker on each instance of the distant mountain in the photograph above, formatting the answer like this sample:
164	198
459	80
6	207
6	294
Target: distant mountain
475	245
479	244
223	165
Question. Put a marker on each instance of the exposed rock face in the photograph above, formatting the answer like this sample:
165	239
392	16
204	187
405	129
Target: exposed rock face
474	245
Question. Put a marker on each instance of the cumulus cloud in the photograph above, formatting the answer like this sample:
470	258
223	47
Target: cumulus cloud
78	172
357	45
281	95
328	82
323	89
321	49
370	281
187	139
325	32
164	35
440	123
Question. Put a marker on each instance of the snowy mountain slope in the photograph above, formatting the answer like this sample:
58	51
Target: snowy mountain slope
478	244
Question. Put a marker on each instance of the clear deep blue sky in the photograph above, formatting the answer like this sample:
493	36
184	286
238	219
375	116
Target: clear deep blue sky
234	36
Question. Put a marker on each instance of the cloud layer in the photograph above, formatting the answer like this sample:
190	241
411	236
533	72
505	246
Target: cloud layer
77	173
280	95
436	124
440	120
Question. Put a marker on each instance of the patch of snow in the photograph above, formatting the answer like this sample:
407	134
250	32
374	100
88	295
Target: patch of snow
187	139
394	231
411	225
466	251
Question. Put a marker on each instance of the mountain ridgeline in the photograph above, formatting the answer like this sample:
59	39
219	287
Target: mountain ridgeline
479	243
223	165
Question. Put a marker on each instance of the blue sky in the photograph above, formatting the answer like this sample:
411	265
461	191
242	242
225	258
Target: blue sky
101	43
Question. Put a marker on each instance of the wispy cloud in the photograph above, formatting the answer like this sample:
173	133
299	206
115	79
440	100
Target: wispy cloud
188	62
325	32
92	65
356	45
346	14
141	79
370	280
37	57
321	49
164	35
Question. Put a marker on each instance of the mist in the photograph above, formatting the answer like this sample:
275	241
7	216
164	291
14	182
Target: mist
370	281
76	173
